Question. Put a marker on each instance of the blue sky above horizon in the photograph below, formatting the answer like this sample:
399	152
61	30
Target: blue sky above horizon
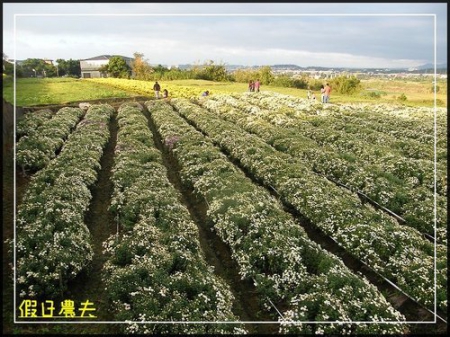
372	35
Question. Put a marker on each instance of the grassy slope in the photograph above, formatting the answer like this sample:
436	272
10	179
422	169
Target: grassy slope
36	91
32	91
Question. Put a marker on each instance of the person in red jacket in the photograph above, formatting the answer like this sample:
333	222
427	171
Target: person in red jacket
327	91
257	85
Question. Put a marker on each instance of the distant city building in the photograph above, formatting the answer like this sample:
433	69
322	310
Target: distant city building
90	67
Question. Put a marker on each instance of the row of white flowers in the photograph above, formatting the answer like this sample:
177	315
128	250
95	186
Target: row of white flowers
402	196
53	243
351	136
156	271
405	123
267	244
30	121
400	253
35	149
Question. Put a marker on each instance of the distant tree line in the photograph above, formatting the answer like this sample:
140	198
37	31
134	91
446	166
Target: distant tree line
34	67
141	69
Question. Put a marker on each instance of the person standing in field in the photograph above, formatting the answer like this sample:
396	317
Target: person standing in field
327	92
257	85
322	94
251	87
156	89
165	93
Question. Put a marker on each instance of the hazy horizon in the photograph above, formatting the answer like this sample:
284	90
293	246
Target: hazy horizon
373	35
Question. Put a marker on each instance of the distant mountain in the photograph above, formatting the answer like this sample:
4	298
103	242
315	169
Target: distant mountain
286	66
431	66
293	67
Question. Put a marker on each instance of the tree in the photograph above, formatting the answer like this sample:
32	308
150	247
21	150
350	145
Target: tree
158	72
62	67
289	82
33	67
49	70
265	75
117	67
8	68
140	67
74	68
214	72
346	85
68	68
245	75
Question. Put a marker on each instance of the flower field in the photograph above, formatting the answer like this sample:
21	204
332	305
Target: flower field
259	168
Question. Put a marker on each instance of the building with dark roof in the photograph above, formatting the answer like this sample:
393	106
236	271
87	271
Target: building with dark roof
90	67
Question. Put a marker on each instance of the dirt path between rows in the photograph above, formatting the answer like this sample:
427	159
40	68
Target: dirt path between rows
247	303
101	223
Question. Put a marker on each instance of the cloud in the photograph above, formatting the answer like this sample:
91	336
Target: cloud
255	34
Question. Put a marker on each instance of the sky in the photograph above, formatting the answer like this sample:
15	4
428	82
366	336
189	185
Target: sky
361	35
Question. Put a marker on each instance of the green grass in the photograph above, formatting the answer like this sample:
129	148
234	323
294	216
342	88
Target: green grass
41	91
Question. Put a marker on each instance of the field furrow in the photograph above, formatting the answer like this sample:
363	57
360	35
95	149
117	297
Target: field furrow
156	270
399	253
285	265
402	197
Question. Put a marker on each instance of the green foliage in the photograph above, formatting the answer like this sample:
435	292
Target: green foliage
346	85
69	68
402	97
117	67
314	84
158	72
8	68
374	94
40	68
437	88
176	74
211	72
245	75
32	67
265	75
289	82
282	81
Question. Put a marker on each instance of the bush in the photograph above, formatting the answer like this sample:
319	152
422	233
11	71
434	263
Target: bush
282	81
346	85
373	94
402	98
432	89
289	82
314	84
